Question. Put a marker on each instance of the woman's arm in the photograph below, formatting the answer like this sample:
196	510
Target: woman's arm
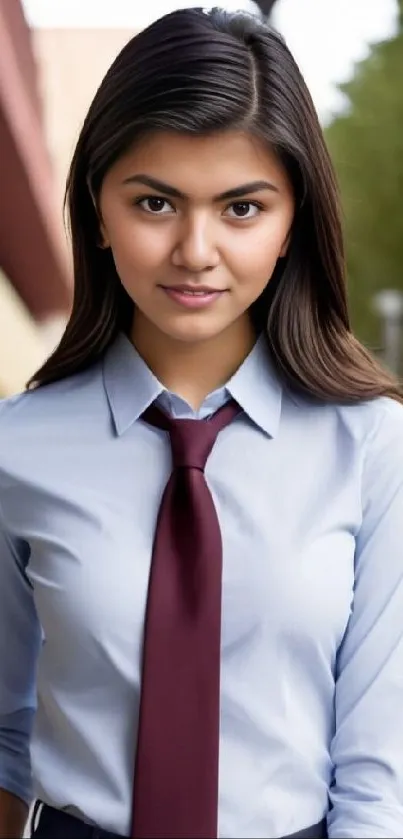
20	640
367	749
13	816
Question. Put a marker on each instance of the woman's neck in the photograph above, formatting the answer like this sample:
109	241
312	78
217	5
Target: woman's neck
192	370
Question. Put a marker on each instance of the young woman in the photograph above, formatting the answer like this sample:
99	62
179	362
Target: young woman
201	491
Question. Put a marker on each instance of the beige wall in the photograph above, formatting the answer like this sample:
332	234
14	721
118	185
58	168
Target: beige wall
71	64
23	345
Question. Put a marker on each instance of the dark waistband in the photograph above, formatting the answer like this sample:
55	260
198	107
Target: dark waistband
56	824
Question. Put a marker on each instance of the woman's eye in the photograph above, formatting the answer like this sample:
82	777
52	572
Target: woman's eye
243	209
154	205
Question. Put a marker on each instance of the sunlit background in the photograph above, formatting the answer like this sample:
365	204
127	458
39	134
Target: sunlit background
53	54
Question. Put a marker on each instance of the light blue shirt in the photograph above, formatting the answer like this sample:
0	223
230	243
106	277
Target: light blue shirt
310	502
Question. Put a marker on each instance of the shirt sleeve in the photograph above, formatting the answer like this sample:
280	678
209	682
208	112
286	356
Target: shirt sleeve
367	749
20	640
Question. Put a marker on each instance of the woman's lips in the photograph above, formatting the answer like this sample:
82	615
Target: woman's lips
190	298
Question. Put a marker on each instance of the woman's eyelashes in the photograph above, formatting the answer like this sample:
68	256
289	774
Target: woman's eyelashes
159	206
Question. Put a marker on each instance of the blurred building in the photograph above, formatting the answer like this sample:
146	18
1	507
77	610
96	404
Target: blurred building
35	285
71	64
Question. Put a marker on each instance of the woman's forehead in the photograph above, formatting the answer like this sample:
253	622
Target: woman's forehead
212	162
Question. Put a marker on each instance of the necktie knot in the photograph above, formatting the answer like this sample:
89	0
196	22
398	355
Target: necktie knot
191	440
191	443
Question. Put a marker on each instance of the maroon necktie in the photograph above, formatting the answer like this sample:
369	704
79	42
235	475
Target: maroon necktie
176	772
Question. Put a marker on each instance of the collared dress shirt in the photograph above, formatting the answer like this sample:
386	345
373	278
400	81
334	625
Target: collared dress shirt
309	497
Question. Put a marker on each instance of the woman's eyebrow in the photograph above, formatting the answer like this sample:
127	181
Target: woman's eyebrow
167	189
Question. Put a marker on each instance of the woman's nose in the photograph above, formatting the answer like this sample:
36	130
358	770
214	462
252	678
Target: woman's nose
196	247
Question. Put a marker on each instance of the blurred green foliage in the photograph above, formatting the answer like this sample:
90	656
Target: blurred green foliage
366	144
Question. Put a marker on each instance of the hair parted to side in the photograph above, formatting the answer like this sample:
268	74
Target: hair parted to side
200	71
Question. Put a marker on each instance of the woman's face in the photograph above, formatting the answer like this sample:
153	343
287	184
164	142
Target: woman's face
196	225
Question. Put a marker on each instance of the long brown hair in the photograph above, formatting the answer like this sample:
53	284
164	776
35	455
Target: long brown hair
197	71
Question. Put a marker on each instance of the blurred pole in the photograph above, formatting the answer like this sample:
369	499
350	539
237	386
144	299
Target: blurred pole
388	304
265	6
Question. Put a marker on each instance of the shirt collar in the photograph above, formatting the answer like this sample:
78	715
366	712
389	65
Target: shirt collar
129	383
131	386
257	388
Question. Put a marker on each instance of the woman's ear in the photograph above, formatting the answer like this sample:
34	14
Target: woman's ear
103	237
103	241
285	246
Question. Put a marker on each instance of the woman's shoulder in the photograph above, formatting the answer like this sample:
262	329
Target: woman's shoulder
38	414
371	425
31	403
12	410
376	426
379	418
